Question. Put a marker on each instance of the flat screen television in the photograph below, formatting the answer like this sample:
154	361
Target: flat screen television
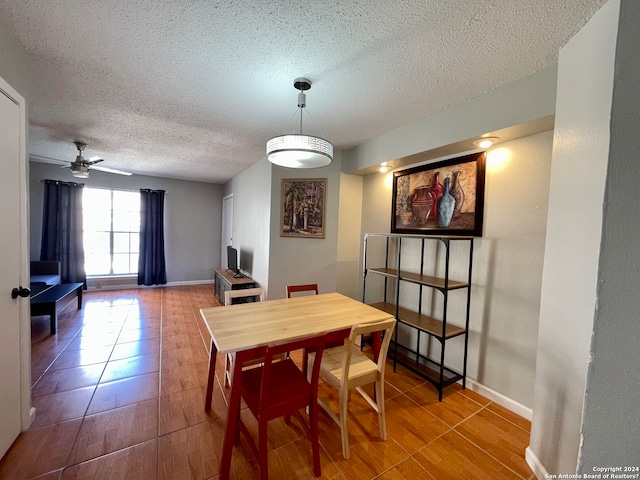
232	260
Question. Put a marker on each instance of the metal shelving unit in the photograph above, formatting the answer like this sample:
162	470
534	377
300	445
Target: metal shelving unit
441	329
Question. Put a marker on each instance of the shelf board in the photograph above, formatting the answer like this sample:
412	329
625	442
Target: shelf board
425	371
425	237
429	281
425	323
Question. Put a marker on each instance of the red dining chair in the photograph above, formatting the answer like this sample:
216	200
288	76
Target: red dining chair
246	294
310	287
280	388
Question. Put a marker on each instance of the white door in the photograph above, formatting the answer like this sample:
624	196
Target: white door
227	228
15	343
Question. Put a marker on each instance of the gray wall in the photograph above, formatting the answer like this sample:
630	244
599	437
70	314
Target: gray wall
193	213
252	216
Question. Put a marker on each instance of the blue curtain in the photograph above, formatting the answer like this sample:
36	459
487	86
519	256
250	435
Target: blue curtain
62	229
151	266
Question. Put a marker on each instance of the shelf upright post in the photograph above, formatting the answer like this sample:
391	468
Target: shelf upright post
364	269
466	337
420	290
386	265
445	293
397	302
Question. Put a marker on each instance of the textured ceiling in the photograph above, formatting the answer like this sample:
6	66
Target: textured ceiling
194	89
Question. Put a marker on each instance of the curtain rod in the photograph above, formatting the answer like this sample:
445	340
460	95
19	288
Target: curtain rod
103	188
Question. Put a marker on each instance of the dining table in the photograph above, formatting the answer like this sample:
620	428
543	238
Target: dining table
246	329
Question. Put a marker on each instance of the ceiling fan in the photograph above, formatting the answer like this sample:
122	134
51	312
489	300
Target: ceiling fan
80	167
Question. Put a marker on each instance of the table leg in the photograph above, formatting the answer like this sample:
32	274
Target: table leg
53	320
232	416
80	296
211	379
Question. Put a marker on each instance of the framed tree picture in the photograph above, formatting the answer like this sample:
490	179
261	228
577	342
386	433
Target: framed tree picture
442	198
302	207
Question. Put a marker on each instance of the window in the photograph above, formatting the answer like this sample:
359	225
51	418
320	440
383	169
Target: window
111	231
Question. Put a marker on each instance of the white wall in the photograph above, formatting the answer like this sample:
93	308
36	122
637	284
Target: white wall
252	217
611	417
573	242
294	260
532	97
14	62
193	216
508	263
349	276
507	266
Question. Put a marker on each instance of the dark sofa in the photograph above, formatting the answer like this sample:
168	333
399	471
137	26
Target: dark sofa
44	272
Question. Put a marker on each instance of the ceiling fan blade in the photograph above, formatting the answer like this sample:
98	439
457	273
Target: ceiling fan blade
94	161
50	160
110	170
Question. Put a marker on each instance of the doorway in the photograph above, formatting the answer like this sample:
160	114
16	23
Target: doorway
15	343
227	228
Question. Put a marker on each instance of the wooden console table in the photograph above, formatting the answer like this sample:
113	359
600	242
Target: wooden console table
225	280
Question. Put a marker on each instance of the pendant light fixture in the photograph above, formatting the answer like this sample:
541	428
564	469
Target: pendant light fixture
298	150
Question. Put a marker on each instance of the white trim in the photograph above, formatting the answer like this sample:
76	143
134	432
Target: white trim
135	285
500	399
534	464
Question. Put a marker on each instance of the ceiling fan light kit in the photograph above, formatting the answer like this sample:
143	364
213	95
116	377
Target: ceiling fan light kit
80	171
298	150
80	167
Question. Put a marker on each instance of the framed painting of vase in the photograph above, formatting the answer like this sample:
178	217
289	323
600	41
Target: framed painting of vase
442	198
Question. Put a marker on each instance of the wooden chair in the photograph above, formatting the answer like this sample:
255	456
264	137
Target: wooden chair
257	292
347	368
310	287
279	389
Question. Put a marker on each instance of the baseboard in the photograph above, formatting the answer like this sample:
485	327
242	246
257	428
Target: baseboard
534	464
135	285
500	399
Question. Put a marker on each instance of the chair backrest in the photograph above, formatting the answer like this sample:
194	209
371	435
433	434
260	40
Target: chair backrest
243	293
314	343
310	287
384	326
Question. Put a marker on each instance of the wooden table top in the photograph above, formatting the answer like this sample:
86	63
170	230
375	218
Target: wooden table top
243	326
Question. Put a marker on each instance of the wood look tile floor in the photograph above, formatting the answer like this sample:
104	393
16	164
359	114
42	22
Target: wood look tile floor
119	394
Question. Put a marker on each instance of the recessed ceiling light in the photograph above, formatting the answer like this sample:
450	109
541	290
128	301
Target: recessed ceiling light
485	142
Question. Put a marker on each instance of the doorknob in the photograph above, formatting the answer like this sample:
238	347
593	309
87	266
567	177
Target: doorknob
20	292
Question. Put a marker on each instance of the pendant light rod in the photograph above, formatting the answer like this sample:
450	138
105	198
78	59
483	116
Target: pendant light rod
300	151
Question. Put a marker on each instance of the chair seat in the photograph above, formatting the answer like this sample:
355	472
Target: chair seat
332	358
288	386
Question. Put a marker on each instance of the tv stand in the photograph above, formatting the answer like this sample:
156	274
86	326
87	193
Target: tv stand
238	275
227	280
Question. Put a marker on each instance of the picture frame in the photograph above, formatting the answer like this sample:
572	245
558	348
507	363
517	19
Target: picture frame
303	207
420	205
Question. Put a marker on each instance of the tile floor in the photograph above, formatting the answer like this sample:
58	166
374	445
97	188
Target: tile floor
119	395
